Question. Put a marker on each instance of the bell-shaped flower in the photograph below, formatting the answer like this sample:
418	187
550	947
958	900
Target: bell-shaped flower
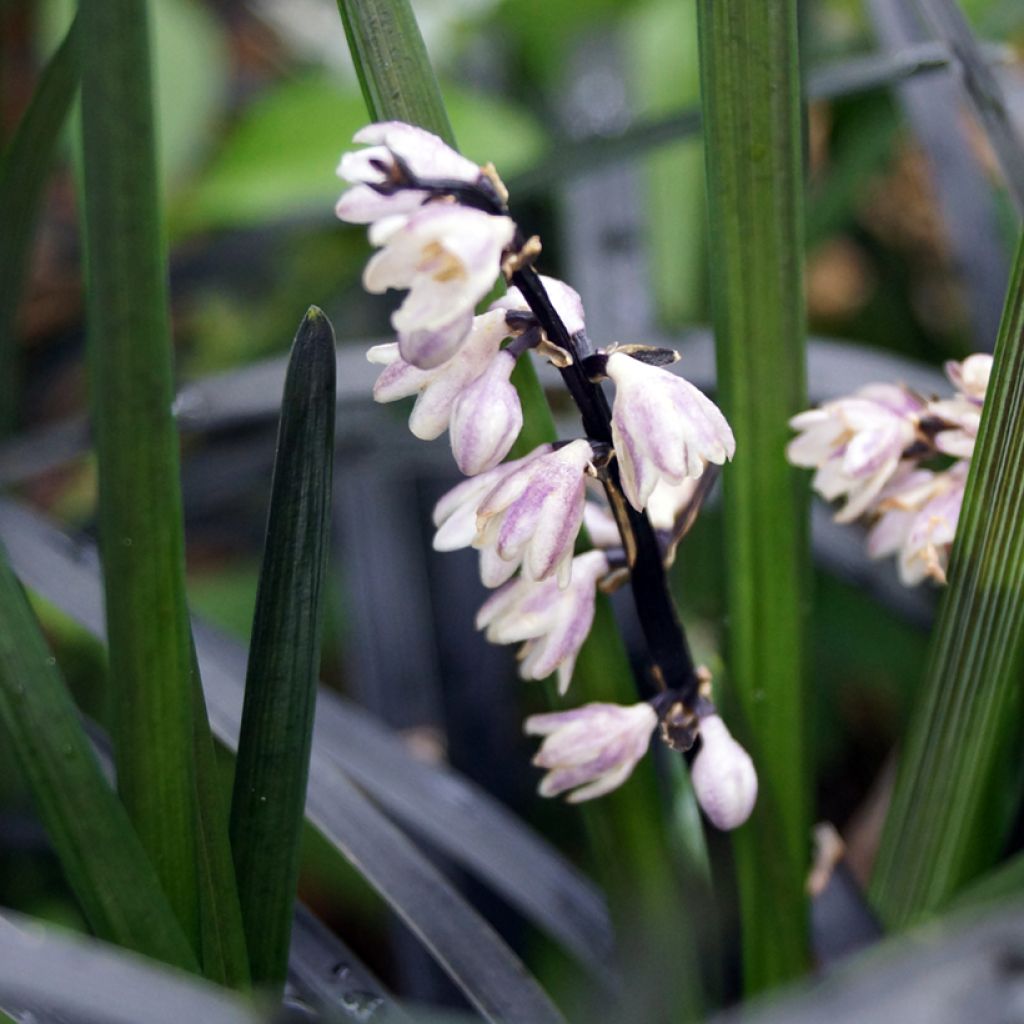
971	376
531	518
486	417
592	749
448	257
919	515
723	775
856	443
438	389
552	622
963	417
455	514
602	530
422	153
565	300
663	428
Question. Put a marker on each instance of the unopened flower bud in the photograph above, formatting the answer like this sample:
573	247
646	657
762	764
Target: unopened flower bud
486	418
723	776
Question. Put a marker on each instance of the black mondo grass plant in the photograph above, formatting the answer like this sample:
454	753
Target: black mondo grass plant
242	822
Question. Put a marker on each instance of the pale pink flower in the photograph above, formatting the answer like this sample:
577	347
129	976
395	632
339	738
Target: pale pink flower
856	443
455	514
553	622
918	521
448	257
724	778
600	525
971	376
663	428
422	153
592	749
437	389
532	516
486	417
565	300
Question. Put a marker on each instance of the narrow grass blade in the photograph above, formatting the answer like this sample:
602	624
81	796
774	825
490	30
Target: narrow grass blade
983	90
222	946
751	100
105	865
1003	883
48	971
958	786
284	655
457	817
462	942
23	176
141	529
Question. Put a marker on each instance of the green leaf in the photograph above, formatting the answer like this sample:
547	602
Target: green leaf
222	946
76	979
141	531
105	865
284	655
751	100
958	786
23	177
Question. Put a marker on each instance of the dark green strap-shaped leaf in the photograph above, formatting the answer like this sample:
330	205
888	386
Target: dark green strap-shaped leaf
105	865
284	656
391	61
222	946
958	786
23	176
751	99
462	942
51	973
456	816
141	530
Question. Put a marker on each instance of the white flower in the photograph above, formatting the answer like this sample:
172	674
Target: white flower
424	154
553	622
455	513
919	517
724	778
486	417
971	376
566	301
532	516
600	525
594	747
439	388
963	415
856	443
448	256
662	428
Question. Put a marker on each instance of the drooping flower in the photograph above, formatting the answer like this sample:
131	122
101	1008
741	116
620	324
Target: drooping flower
422	153
971	376
532	516
592	749
919	515
448	257
455	515
552	622
565	300
486	417
723	775
856	444
438	389
663	428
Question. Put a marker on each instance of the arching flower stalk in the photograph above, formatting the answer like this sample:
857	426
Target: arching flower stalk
444	235
887	451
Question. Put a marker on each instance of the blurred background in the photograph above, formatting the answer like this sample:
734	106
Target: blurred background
589	109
